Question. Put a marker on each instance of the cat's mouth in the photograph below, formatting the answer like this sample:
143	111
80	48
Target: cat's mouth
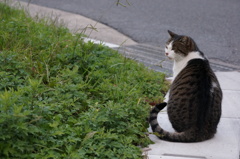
167	54
170	58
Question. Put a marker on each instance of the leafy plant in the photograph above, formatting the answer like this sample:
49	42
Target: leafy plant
63	98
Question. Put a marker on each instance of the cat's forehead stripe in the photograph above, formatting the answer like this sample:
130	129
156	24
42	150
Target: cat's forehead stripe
170	44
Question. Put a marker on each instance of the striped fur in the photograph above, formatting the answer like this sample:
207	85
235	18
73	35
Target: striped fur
195	96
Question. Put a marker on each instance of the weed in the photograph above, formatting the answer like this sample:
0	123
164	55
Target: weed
63	98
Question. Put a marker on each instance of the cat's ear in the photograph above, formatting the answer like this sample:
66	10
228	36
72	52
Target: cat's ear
172	34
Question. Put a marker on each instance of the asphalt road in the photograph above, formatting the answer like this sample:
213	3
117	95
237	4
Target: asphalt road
214	24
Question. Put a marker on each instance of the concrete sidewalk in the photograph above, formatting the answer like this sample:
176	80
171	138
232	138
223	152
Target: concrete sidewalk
225	144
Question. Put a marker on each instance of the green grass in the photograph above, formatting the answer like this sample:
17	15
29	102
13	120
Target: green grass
63	98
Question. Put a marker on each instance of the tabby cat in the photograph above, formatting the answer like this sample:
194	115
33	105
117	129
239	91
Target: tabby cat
195	96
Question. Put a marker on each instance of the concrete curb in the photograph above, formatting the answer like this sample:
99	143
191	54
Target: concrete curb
77	23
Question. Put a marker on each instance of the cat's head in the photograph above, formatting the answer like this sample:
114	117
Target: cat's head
179	46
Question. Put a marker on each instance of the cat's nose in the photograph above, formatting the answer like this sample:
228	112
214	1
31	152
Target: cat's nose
166	54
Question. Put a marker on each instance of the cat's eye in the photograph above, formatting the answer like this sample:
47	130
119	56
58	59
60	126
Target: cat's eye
166	47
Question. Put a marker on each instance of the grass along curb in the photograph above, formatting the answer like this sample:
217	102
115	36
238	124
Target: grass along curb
63	98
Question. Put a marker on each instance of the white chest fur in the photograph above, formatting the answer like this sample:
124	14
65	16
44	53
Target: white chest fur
181	62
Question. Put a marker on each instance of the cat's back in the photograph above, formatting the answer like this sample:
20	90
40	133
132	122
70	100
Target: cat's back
196	74
191	95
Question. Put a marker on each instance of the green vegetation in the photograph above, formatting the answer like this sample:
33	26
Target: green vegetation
63	98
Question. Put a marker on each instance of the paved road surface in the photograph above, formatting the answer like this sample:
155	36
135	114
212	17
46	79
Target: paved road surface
213	24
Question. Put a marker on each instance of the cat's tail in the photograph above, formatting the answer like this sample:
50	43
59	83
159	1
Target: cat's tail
165	135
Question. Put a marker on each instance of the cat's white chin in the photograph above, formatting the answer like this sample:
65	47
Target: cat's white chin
170	58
